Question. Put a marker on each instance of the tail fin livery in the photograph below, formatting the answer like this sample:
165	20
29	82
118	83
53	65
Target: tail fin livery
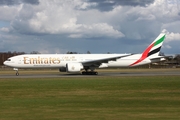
152	50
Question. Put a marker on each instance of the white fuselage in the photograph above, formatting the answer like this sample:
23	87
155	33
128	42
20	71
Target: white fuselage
60	60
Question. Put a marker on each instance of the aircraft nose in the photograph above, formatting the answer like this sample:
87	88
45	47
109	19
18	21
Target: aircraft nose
5	63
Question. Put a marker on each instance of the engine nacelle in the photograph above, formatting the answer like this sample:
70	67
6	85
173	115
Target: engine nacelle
74	67
62	69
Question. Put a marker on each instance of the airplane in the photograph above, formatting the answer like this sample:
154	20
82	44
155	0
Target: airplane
87	63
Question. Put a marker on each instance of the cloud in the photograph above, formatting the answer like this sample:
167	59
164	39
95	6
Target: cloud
40	20
108	5
170	36
172	41
4	29
67	17
97	30
69	25
8	13
167	46
17	2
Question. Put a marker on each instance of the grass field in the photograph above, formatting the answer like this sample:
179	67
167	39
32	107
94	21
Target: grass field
101	98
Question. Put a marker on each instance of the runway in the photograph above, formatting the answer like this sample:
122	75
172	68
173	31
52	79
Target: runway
101	74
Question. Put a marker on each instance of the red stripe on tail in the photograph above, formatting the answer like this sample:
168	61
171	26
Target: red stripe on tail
144	55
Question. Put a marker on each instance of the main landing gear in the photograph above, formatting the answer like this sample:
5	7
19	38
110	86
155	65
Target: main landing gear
17	73
89	73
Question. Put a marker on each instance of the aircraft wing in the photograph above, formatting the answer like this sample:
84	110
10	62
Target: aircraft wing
98	62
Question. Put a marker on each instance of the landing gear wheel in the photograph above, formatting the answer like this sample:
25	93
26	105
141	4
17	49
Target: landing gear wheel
17	74
89	73
83	73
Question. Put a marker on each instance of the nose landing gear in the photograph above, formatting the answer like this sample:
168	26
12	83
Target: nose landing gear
17	73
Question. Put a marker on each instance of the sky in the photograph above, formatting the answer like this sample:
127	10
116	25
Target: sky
98	26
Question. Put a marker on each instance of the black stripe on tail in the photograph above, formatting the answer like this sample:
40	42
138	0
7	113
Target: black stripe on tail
154	51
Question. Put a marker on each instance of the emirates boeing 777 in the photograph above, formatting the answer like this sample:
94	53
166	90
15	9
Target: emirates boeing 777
87	63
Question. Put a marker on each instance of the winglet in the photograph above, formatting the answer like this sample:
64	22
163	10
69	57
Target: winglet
152	50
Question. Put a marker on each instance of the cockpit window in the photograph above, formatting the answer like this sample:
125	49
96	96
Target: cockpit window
8	59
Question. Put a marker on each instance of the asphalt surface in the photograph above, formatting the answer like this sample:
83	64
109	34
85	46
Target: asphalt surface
101	74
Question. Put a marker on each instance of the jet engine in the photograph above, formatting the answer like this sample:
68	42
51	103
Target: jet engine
71	68
74	67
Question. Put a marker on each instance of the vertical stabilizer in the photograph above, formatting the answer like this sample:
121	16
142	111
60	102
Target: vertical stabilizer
152	50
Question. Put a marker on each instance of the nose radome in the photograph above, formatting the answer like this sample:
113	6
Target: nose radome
5	63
